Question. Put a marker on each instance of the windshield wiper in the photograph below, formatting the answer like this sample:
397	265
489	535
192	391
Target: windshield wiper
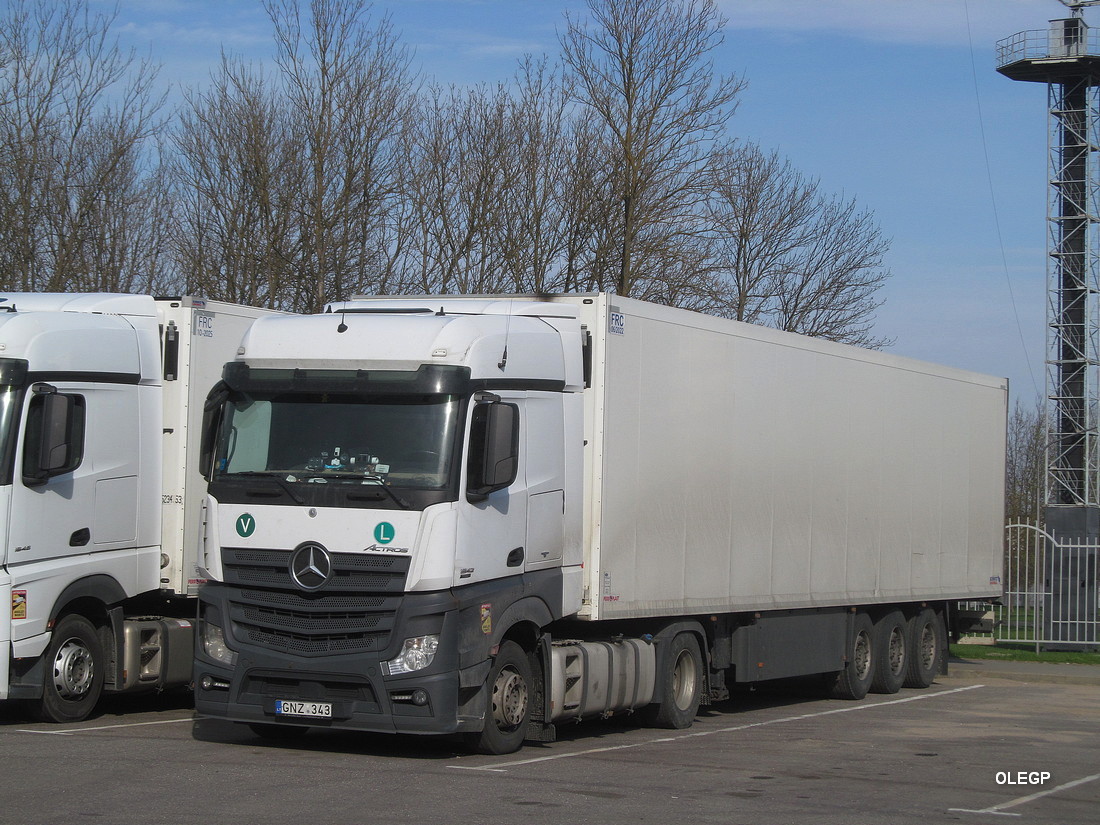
273	475
380	484
373	483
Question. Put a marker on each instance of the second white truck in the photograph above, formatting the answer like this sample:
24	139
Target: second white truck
101	405
493	516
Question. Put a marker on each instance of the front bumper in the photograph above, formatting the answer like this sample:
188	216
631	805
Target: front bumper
442	698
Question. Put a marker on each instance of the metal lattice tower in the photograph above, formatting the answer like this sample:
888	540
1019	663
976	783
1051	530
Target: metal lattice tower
1066	57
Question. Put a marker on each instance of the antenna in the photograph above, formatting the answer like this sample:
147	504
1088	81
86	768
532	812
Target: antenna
507	330
1075	6
1066	57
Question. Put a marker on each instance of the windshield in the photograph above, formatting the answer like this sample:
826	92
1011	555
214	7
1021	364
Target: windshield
303	439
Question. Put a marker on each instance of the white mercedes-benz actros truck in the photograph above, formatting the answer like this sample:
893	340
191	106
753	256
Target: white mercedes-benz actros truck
491	516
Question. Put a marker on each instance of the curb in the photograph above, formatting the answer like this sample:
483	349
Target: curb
1020	672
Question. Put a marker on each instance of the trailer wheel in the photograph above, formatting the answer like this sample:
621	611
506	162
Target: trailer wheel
855	679
681	686
891	639
74	672
926	649
509	702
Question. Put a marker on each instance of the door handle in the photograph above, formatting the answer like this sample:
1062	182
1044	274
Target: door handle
515	558
80	537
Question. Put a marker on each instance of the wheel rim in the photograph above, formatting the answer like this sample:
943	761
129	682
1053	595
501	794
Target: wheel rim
862	655
928	647
896	650
509	699
73	670
683	680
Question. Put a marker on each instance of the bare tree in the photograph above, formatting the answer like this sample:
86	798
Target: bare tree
238	185
465	166
348	86
530	228
77	117
643	69
786	255
1025	470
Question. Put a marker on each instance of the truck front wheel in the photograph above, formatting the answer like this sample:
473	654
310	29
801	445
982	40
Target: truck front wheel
74	672
508	695
681	681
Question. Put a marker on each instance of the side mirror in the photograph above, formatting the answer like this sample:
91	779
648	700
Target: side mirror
57	416
51	432
494	449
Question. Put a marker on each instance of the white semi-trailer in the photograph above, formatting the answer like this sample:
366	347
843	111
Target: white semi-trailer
491	516
101	405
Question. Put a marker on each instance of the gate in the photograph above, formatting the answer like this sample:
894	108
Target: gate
1051	592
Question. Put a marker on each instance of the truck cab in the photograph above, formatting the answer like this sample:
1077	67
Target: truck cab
100	504
390	492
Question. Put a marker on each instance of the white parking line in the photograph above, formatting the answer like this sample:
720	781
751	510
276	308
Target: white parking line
502	767
73	731
1001	809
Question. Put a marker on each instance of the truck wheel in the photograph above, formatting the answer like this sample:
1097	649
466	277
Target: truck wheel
890	646
509	702
854	680
926	649
74	672
681	686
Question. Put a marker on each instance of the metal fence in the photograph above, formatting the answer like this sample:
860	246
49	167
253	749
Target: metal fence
1051	593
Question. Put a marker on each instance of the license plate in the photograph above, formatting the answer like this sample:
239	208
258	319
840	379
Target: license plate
317	710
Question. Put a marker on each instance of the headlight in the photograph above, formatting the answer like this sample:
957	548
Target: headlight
213	639
416	654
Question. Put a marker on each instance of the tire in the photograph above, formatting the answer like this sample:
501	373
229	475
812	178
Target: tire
74	672
925	649
681	685
855	679
891	644
509	692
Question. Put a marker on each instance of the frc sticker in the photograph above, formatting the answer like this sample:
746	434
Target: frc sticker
19	604
616	323
202	325
487	619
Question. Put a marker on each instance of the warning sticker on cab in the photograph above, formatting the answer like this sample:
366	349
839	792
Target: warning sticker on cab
19	604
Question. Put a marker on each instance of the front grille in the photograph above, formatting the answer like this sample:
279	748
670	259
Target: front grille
350	571
354	612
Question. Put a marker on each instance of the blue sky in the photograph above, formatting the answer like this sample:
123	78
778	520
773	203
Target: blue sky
895	103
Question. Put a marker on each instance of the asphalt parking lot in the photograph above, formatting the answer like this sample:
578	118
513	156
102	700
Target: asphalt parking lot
975	750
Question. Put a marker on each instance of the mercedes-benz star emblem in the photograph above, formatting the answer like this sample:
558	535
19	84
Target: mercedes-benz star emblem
310	566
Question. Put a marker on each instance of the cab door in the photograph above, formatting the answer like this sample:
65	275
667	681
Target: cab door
74	491
492	520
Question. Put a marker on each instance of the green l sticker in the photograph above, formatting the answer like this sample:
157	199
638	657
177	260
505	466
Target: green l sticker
384	532
246	525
